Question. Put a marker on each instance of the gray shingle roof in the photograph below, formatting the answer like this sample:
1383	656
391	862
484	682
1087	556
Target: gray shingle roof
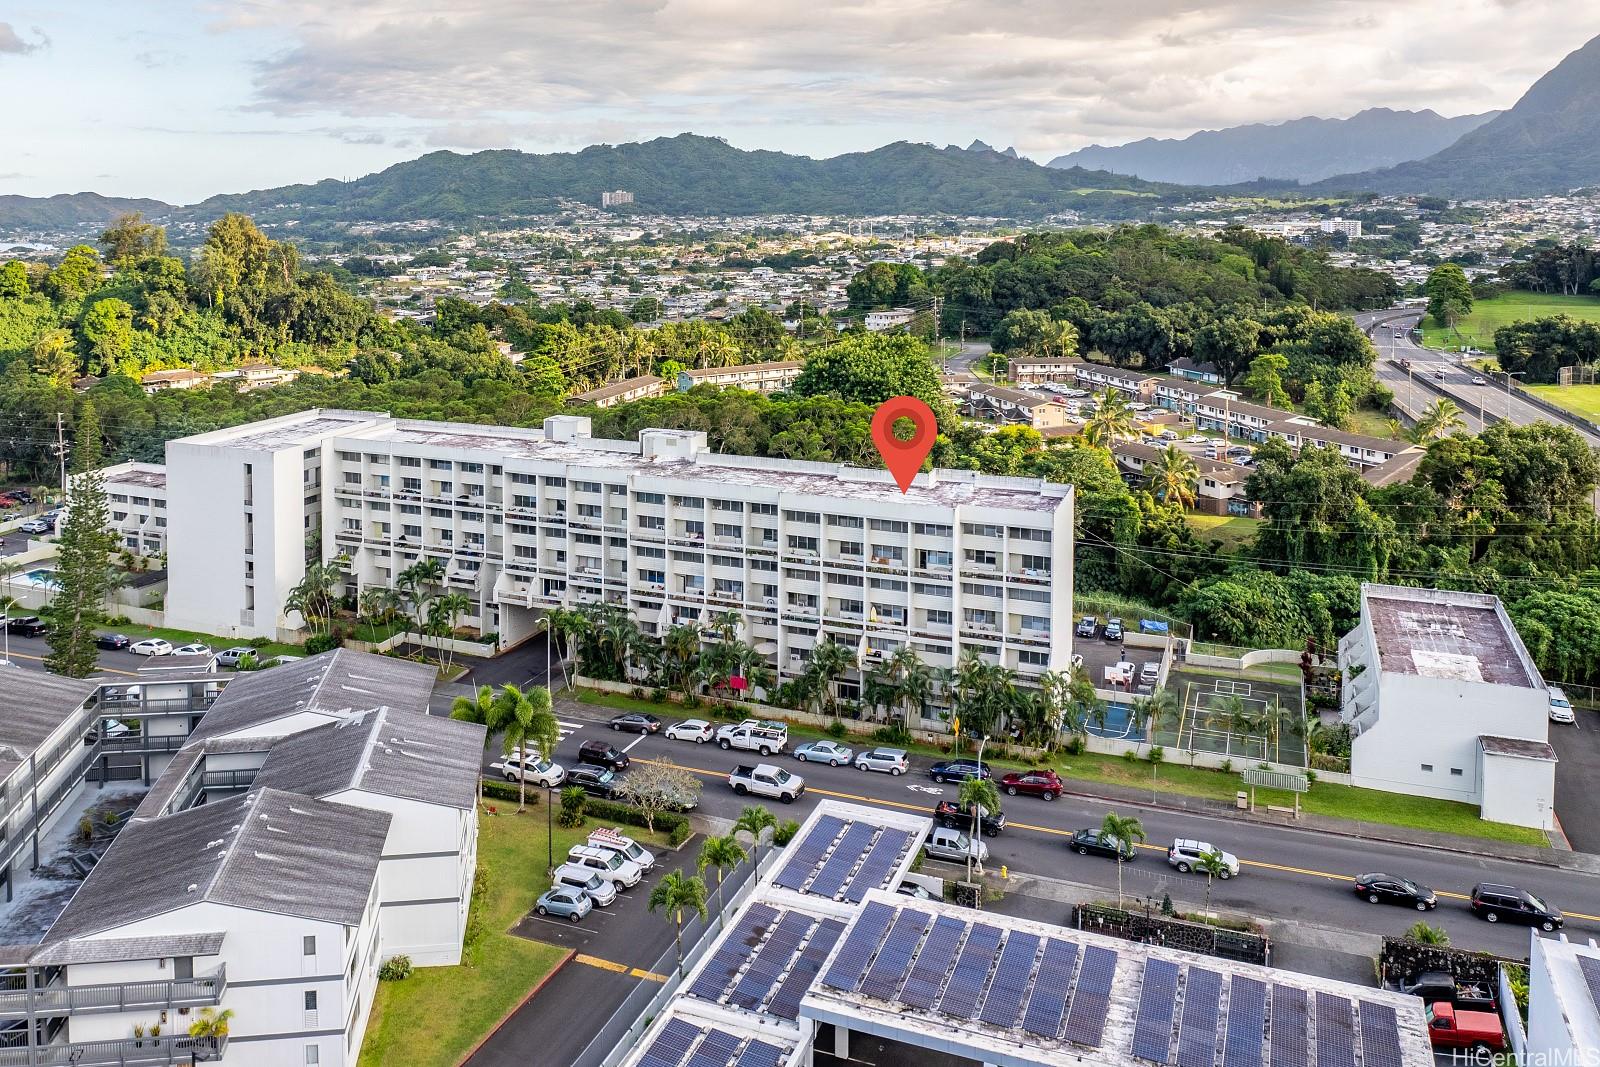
334	684
265	850
394	753
118	949
33	705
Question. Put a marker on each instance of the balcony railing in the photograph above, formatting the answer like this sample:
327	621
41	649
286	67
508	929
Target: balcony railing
150	1050
203	991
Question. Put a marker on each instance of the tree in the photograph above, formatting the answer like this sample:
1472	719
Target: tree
53	357
108	327
1449	294
483	708
1230	343
977	796
1173	477
1438	419
753	819
1112	420
675	894
1265	380
1213	866
130	239
517	720
83	566
76	275
655	787
1423	934
871	368
14	283
1126	830
1029	332
313	597
722	853
829	660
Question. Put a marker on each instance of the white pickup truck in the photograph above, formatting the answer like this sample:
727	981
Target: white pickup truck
765	780
753	736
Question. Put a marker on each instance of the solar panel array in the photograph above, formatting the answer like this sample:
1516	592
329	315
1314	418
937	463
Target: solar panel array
1336	1036
828	865
808	853
1380	1036
683	1044
1197	1030
767	962
1158	1001
1247	1022
1087	1021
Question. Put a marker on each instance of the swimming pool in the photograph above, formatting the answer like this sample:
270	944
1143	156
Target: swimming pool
41	578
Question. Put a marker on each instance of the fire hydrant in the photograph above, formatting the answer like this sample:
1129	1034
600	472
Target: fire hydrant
1004	873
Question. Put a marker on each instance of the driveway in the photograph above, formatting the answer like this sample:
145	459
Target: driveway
1578	749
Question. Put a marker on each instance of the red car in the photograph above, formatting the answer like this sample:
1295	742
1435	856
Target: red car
1039	783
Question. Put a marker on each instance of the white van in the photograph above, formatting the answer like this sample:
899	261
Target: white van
607	864
624	846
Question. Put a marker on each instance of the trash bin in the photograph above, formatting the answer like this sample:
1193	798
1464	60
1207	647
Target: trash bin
1241	800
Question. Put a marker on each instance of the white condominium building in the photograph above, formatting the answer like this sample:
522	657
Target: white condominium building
525	520
136	497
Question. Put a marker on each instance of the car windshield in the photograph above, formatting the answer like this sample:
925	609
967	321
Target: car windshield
783	775
1538	904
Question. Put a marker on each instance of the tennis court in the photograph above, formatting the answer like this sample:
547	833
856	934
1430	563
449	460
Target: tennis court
1238	716
1118	723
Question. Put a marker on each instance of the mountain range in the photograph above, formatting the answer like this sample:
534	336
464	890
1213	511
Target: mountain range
1301	150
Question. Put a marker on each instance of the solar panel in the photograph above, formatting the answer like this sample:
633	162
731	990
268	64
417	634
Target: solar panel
671	1045
1335	1032
770	961
1152	1027
1380	1036
894	958
1247	1024
850	965
845	856
785	1002
809	852
1197	1031
760	1054
1086	1022
879	862
1591	977
1049	1000
960	998
714	979
1288	1026
933	963
716	1050
1012	975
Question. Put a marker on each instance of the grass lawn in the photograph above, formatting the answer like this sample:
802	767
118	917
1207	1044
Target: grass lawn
1478	328
184	637
434	1017
1370	422
1581	400
1325	798
1231	530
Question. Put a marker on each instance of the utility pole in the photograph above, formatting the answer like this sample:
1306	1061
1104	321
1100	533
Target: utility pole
938	335
61	454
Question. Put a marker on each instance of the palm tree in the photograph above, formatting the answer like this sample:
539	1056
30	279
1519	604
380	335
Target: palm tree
1112	420
723	853
752	820
829	660
1152	711
1212	865
1173	477
8	570
680	647
211	1025
481	708
977	795
1126	829
416	584
675	894
1436	420
1423	934
912	678
518	722
444	616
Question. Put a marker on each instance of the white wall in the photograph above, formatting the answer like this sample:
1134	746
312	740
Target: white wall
1518	791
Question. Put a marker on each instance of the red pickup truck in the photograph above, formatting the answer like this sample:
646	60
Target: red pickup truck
1449	1027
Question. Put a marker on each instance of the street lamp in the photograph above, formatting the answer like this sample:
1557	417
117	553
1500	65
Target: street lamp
1510	374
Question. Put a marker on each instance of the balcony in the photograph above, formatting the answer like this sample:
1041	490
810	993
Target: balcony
166	1049
60	999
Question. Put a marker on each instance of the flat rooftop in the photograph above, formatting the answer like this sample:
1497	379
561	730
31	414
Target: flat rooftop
288	431
1462	637
1574	973
141	477
840	856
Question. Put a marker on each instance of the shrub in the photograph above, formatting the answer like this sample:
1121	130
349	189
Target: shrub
259	642
691	701
573	803
508	791
836	729
895	734
395	969
658	695
784	832
637	692
1130	756
1311	777
324	642
1156	754
1074	746
1227	766
917	862
674	825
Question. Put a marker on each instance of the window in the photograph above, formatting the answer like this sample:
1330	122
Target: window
1455	772
1428	767
938	617
727	505
848	522
649	498
1022	533
763	509
978	529
586	487
689	501
311	1000
438	464
811	517
472	468
803	544
849	548
930	529
312	1056
889	525
556	483
1033	659
308	945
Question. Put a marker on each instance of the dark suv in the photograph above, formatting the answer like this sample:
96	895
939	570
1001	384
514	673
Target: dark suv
603	754
1496	902
28	626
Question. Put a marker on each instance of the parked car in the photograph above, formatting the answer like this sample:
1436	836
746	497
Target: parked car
1036	783
571	876
959	770
1113	630
113	642
1560	707
637	722
889	760
151	646
947	844
765	780
830	752
1480	1031
1092	842
194	648
913	890
36	526
1197	439
612	866
230	657
1495	902
754	736
1149	674
603	754
623	845
697	730
1478	379
1380	888
1441	986
1185	853
28	626
1088	625
596	781
533	770
950	813
565	902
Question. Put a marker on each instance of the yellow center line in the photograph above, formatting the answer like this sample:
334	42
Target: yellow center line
618	968
107	670
1260	864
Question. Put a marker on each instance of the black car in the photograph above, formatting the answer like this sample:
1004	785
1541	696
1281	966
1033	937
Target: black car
596	781
959	770
28	626
1113	630
949	813
603	754
114	642
1380	888
637	722
1094	843
1496	902
1088	625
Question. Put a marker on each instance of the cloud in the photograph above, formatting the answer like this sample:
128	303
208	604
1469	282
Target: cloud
12	44
1047	74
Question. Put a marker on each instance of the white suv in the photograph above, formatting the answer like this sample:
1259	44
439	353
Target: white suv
1185	855
626	847
607	864
1560	707
573	876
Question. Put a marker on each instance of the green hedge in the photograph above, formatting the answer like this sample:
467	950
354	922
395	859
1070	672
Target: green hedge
675	826
508	791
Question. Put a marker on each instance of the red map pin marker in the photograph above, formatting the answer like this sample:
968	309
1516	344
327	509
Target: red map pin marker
903	458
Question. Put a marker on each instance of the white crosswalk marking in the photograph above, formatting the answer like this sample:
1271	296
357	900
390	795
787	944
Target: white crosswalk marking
568	728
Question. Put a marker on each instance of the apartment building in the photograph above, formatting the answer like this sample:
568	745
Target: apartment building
892	319
314	822
641	387
771	376
1219	489
1015	406
528	520
42	759
136	497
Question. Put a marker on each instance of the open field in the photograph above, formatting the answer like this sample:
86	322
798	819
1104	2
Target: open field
1478	328
1231	530
1581	400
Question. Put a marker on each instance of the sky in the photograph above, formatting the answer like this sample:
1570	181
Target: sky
178	101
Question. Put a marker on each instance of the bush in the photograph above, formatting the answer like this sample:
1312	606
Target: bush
324	642
259	642
637	692
573	803
784	832
674	825
895	734
658	695
691	701
1074	746
1156	754
1130	756
1227	766
836	729
508	791
395	969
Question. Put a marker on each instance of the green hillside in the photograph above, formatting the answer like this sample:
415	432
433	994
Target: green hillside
1478	328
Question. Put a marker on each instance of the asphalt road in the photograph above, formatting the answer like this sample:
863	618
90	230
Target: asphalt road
1287	873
